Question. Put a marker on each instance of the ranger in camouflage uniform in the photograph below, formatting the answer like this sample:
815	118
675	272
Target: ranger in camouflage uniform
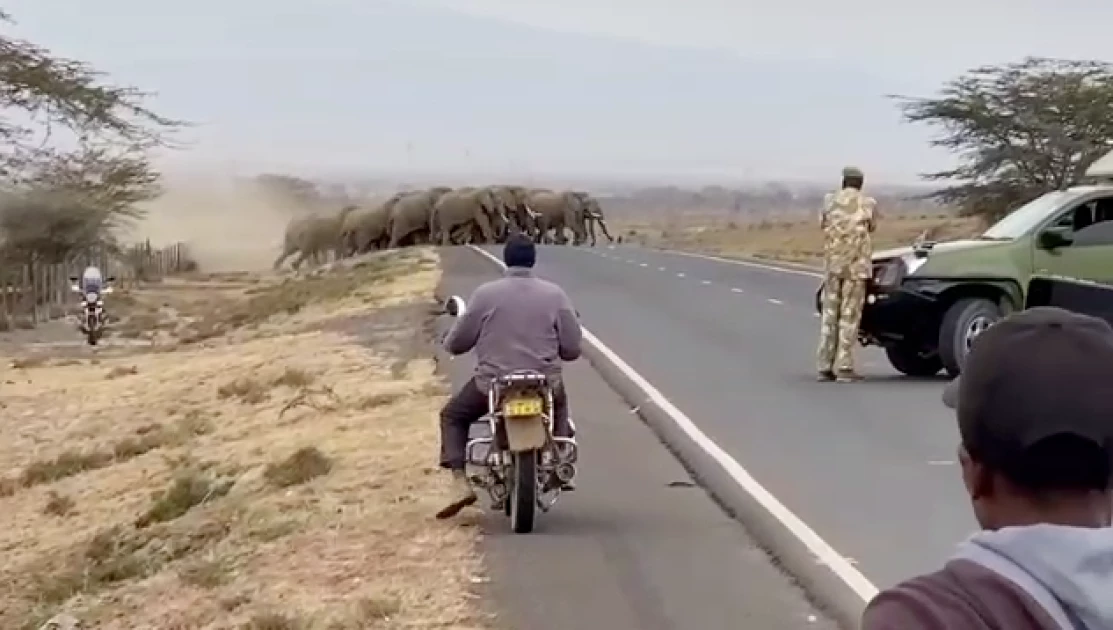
847	221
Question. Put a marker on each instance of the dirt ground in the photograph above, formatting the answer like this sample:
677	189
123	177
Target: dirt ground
793	240
242	452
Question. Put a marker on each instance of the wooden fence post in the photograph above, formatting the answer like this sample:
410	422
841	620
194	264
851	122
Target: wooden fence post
6	296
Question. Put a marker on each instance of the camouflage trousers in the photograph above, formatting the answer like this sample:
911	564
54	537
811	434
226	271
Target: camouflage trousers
841	312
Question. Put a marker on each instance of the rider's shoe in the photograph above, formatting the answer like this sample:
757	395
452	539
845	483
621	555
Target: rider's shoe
825	376
848	376
461	495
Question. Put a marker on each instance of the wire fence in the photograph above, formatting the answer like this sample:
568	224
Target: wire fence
35	293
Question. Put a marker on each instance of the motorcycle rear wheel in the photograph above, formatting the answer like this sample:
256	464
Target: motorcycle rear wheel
522	501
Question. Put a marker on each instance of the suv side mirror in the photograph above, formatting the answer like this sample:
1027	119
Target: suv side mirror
1055	237
455	306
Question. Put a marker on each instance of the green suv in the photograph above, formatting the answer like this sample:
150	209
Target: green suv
927	303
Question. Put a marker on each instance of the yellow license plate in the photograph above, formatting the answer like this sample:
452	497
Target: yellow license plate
522	407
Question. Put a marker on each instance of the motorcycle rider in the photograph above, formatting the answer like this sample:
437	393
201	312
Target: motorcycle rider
518	322
91	281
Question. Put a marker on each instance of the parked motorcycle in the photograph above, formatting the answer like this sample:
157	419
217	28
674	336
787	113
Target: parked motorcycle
92	319
520	463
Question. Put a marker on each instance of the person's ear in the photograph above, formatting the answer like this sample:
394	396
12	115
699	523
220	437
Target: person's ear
975	476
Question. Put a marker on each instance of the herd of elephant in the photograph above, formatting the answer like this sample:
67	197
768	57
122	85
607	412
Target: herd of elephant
445	216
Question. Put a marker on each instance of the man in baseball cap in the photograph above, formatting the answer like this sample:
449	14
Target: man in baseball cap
1035	414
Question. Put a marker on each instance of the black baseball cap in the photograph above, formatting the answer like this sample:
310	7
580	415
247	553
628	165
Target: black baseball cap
1040	373
519	251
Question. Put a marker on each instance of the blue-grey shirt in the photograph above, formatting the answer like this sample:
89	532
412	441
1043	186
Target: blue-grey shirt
518	322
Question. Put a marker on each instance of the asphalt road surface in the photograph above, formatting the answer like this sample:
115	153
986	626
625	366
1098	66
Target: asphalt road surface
636	546
869	466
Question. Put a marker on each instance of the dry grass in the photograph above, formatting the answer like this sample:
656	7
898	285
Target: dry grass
790	240
306	464
277	474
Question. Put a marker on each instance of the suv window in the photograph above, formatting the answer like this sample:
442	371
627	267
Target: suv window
1091	222
1096	234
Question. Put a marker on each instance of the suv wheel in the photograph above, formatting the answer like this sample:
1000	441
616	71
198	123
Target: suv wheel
962	323
911	361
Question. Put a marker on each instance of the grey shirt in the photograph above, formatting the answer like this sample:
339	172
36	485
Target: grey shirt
518	322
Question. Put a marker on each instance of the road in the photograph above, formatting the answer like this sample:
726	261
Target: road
870	466
637	546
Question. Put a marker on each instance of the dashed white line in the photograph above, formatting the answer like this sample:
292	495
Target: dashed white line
772	301
680	275
644	265
706	282
660	269
736	290
800	270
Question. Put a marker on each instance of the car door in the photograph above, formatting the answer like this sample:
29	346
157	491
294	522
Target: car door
1090	254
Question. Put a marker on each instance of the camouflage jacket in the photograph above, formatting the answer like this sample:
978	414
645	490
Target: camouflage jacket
847	221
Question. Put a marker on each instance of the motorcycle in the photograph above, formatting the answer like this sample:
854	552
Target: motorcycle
521	465
92	318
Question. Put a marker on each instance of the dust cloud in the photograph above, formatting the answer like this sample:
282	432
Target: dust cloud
229	223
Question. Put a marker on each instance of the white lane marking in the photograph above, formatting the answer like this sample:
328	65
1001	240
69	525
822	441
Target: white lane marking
825	554
680	275
644	265
660	269
736	290
772	301
706	282
788	268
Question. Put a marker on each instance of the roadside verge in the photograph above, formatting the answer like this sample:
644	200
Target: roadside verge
831	579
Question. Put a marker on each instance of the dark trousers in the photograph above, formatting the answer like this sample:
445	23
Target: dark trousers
468	405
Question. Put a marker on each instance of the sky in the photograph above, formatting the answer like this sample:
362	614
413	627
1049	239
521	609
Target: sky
669	90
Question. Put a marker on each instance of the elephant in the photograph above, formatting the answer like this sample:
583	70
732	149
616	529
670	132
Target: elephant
593	213
556	211
516	201
295	241
466	234
313	237
460	207
409	214
366	228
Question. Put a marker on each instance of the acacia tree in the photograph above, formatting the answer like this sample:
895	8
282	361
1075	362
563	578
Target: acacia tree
69	202
57	198
1019	130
